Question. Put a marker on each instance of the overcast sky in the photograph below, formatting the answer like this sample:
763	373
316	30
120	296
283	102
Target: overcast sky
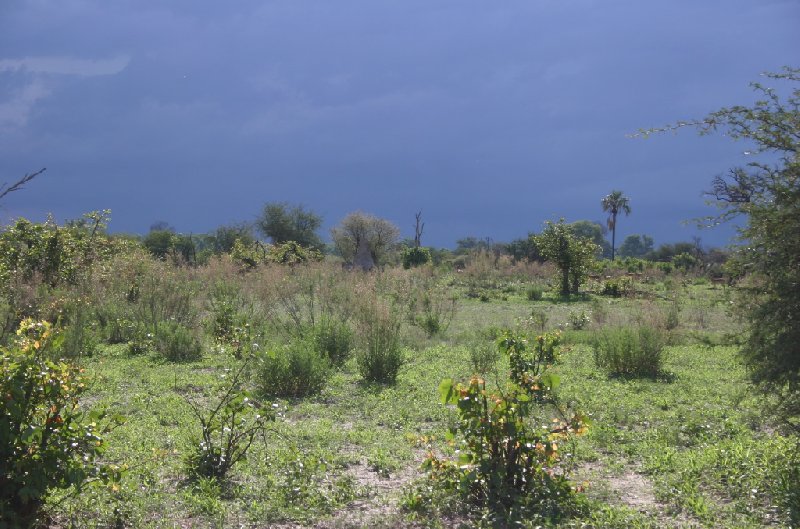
490	117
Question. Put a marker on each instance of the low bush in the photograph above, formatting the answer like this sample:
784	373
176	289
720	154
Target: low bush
637	351
534	293
482	355
295	369
177	343
579	319
333	339
618	287
508	442
414	257
379	354
227	430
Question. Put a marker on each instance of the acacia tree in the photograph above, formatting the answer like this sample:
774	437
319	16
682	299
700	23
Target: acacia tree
614	203
766	193
283	223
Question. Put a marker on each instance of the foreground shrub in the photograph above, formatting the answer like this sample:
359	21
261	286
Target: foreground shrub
45	442
227	430
295	369
508	442
637	351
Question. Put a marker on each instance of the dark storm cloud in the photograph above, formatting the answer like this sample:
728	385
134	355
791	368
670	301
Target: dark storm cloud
490	117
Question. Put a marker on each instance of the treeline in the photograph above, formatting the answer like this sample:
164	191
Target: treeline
281	223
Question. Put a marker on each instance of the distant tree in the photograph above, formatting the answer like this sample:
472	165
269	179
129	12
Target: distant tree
162	225
283	223
224	237
362	230
418	227
572	255
636	246
524	249
665	252
595	232
159	243
615	203
470	243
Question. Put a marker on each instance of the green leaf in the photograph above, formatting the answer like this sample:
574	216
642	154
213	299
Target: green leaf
447	392
551	381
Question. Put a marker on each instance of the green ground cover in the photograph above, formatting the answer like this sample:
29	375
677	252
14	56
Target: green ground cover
688	448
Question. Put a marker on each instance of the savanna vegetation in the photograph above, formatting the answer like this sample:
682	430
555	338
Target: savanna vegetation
223	381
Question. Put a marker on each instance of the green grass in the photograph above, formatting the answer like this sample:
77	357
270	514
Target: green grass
693	438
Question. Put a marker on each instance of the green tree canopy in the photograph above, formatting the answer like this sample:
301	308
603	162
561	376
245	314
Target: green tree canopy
636	246
593	231
572	255
378	235
766	193
282	223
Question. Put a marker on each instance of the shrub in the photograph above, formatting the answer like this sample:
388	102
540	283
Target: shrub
616	288
226	431
177	343
296	369
579	320
534	293
635	351
414	257
482	355
292	253
379	355
333	339
45	442
508	444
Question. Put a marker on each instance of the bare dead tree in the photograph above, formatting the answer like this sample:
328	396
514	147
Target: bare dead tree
19	184
418	227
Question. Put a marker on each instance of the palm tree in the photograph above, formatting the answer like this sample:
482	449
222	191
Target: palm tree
615	202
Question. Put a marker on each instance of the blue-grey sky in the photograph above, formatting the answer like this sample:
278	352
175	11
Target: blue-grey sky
490	117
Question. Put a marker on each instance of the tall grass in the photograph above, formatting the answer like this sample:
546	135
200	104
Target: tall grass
631	351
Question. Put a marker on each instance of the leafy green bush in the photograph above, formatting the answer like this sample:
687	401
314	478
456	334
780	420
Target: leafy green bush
635	351
292	253
177	343
295	369
416	256
507	443
618	287
579	319
534	293
333	339
482	355
45	442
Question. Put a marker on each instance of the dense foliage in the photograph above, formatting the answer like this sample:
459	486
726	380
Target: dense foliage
282	223
571	254
45	441
767	192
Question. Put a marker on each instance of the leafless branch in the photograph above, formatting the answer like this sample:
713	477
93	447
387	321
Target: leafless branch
19	184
